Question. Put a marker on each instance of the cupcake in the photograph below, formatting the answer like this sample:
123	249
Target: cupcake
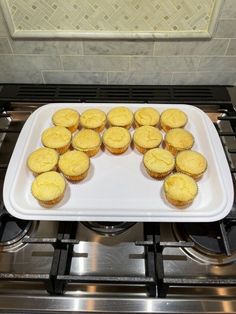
69	118
116	140
57	137
178	139
74	165
94	119
146	116
146	137
87	141
158	162
42	160
180	189
173	118
48	188
120	116
191	163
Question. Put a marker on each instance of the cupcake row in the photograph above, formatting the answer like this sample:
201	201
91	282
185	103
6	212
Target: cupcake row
160	162
73	164
96	119
116	139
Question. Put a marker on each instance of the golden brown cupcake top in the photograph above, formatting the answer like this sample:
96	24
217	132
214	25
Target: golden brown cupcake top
120	116
92	118
147	136
65	117
147	116
86	139
179	138
191	162
159	160
180	187
48	186
116	137
56	137
42	159
74	163
173	118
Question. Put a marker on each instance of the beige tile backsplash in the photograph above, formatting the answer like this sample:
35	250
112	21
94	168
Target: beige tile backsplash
113	16
166	61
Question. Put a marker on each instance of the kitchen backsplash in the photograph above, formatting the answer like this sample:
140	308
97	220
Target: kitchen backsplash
111	19
171	61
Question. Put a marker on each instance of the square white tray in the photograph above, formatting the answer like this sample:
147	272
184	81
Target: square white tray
117	188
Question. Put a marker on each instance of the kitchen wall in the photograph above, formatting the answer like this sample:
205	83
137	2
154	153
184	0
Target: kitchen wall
123	61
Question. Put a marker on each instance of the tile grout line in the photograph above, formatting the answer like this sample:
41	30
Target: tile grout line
82	48
198	66
62	65
227	47
41	71
146	56
9	43
227	18
153	49
120	56
138	72
78	71
129	64
107	78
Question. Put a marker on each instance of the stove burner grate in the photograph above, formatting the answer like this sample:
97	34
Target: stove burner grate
213	242
208	238
108	228
13	230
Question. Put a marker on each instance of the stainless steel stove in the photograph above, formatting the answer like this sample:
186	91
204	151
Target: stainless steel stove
62	267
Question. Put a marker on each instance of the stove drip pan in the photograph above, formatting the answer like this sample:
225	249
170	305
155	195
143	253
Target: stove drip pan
108	228
13	230
208	241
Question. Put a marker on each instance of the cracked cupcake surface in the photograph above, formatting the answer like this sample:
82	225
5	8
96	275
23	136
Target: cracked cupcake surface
146	116
48	188
42	160
74	165
191	163
57	137
158	162
120	116
173	118
94	119
67	117
177	140
147	137
180	189
116	140
87	141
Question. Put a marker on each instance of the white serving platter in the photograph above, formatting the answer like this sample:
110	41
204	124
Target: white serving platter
117	188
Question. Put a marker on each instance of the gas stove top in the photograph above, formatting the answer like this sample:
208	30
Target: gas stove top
52	267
